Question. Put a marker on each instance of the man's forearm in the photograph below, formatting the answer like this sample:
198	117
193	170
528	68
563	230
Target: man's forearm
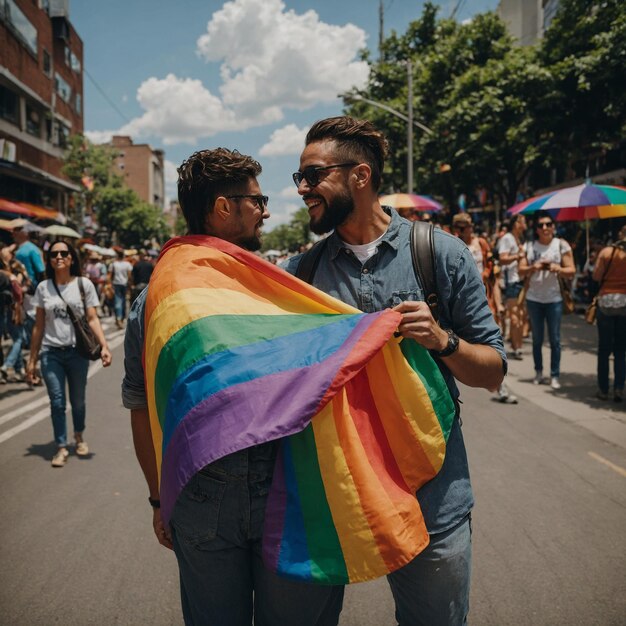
476	365
144	449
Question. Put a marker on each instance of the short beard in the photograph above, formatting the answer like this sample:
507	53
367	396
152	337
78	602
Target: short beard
337	212
252	244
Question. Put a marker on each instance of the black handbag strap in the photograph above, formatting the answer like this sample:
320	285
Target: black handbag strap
70	310
310	260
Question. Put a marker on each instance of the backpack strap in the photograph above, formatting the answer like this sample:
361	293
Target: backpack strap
423	257
310	260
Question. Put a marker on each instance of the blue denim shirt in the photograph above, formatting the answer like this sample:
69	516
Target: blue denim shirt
387	279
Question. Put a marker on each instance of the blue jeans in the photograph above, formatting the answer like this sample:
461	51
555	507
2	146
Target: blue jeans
611	338
540	314
434	588
120	301
217	526
14	358
57	366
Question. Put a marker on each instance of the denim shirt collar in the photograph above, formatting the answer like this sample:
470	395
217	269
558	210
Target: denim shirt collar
390	238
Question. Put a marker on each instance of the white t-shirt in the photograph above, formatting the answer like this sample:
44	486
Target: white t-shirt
544	284
120	271
58	329
364	251
508	244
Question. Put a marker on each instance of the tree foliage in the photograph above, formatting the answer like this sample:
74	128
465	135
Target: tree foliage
498	110
117	209
289	236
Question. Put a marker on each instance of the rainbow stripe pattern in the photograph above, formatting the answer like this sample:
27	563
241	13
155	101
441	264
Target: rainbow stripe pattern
238	352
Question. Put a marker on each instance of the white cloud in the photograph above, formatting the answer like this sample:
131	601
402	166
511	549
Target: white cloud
273	57
280	213
171	180
290	192
100	136
286	140
271	60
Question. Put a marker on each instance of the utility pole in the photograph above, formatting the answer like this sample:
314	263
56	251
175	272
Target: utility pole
409	130
381	36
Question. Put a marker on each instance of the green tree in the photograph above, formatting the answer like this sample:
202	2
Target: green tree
140	222
585	51
289	236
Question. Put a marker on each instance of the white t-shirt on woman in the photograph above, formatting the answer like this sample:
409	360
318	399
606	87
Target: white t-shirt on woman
58	329
544	284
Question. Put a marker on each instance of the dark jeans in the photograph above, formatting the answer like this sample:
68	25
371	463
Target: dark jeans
217	527
611	338
57	367
120	301
541	314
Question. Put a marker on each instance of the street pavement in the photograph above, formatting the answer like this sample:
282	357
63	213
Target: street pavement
549	477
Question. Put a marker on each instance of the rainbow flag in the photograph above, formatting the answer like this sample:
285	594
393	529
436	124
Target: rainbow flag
239	352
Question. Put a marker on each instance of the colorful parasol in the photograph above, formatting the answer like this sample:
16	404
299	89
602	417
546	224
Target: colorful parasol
583	202
410	201
62	231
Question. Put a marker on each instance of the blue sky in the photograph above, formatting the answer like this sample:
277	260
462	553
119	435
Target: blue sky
246	74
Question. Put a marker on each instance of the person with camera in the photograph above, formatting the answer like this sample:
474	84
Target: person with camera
54	333
547	258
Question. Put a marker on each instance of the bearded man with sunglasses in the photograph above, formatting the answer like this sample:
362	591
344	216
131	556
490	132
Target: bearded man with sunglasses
217	522
366	262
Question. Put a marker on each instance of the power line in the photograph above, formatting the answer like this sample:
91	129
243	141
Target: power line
458	7
104	95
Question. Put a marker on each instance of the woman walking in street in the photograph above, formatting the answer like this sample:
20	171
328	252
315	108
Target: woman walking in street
547	259
610	272
55	335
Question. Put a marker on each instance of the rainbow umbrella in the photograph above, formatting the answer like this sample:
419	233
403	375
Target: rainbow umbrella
583	202
410	201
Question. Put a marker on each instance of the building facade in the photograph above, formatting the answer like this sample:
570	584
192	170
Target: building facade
41	100
527	20
142	169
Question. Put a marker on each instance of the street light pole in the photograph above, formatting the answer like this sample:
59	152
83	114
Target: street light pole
409	127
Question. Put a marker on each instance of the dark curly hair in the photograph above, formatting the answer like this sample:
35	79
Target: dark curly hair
208	174
356	140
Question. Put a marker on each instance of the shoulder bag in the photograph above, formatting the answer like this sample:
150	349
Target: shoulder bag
87	345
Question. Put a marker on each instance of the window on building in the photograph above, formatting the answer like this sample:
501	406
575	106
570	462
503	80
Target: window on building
47	63
33	120
63	134
20	24
75	63
62	87
68	56
9	105
78	104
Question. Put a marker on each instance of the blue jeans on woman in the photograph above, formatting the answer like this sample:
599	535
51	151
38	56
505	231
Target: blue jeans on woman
611	338
120	302
217	528
540	314
14	359
57	366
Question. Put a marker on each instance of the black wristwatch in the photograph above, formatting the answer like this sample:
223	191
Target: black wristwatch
154	503
453	344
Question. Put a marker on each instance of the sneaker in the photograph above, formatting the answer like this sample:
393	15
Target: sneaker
4	376
60	458
82	449
505	396
517	355
18	376
618	395
602	396
554	383
538	379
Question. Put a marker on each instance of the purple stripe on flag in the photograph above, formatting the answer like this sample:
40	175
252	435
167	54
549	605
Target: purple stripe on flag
274	524
250	413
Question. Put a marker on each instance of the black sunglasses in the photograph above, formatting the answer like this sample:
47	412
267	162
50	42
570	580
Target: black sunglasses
545	225
311	173
261	201
64	254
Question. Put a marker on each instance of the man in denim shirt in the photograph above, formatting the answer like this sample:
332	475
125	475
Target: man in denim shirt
217	522
366	262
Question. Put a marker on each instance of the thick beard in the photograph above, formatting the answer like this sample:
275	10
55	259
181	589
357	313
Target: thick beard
337	212
252	244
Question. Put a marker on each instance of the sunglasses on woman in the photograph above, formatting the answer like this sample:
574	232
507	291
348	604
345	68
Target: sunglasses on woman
55	253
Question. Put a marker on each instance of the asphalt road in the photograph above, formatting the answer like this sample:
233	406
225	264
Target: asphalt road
549	545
